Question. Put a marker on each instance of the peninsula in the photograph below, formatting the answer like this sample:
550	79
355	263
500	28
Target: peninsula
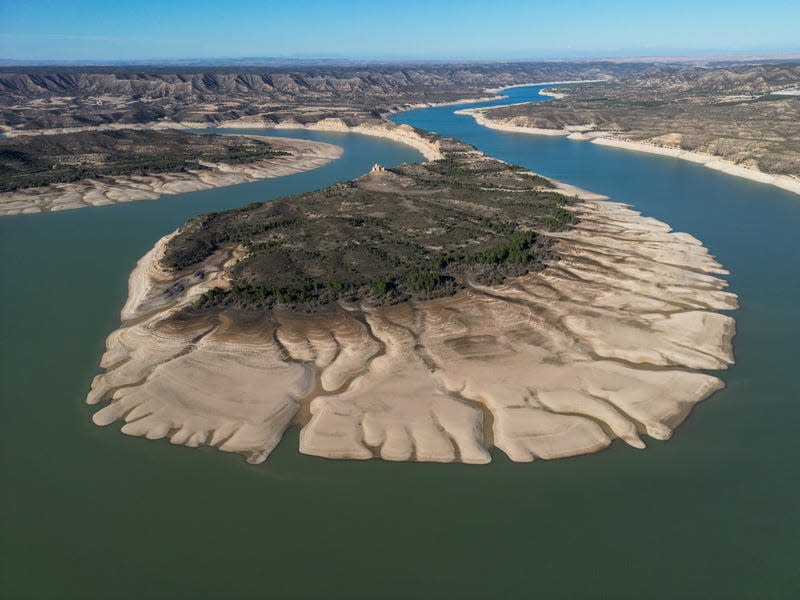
428	312
744	121
42	173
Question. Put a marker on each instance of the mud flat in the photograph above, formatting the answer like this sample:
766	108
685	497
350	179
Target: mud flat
607	342
300	155
606	138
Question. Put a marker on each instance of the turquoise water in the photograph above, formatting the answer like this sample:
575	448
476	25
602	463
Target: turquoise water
89	513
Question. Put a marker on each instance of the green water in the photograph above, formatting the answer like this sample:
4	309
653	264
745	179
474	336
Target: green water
90	513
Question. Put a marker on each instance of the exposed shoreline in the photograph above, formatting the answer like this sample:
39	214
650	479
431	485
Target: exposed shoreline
386	129
498	95
587	133
304	155
407	107
404	134
606	343
519	85
550	94
785	182
311	155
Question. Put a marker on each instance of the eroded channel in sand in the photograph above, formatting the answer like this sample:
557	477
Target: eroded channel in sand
605	343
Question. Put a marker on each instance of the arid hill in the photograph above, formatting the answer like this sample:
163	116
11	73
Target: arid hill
71	97
739	114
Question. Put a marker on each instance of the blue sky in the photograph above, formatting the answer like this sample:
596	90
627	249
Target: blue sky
111	30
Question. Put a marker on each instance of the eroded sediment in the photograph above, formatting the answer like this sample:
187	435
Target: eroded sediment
604	343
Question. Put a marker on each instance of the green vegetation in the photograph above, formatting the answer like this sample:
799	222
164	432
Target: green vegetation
42	160
417	231
558	219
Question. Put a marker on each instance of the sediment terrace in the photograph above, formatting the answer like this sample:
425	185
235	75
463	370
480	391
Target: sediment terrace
601	333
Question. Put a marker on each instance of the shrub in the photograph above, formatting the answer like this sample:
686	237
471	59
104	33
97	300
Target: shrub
383	286
424	281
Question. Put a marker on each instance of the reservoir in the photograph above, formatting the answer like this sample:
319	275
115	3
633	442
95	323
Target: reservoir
90	513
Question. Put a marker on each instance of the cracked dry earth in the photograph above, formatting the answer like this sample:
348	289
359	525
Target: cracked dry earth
607	342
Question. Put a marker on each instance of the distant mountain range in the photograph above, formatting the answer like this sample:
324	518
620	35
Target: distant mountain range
314	61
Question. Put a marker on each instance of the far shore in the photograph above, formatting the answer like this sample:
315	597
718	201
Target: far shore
497	95
519	85
404	134
261	124
605	138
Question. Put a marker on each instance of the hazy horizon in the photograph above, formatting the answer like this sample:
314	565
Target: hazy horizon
278	61
94	32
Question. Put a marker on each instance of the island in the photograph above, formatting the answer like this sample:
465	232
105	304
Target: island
50	172
428	312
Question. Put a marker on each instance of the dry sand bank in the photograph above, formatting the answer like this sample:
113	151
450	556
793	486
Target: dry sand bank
552	94
404	134
606	343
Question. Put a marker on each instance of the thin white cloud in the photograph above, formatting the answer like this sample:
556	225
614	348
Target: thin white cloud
81	38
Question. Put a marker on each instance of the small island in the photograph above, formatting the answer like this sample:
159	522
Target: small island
428	312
